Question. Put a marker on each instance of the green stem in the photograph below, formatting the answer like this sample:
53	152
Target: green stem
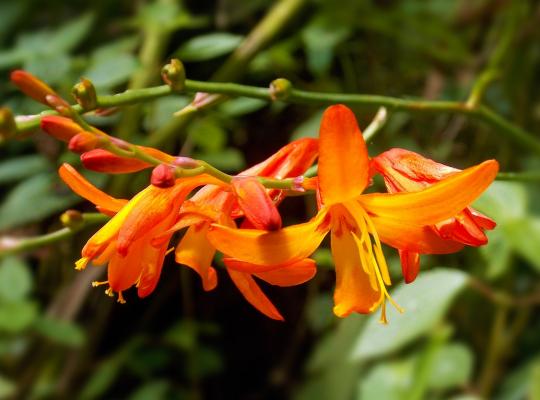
530	176
31	243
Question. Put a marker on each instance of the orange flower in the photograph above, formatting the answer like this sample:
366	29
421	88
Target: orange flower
126	241
358	222
250	199
406	171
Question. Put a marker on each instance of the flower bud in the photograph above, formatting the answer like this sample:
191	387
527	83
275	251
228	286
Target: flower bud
163	176
71	219
83	141
174	75
85	94
32	86
61	128
100	160
8	126
280	89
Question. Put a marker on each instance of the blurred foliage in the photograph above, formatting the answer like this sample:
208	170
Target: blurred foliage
470	329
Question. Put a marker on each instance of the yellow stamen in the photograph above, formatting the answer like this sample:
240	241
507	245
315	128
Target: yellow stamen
81	263
121	299
99	283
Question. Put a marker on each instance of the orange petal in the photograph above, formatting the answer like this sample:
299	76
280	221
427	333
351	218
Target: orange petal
410	265
290	275
196	252
32	86
253	199
124	272
343	157
354	292
61	128
100	160
253	294
414	238
152	262
288	245
83	188
291	160
436	203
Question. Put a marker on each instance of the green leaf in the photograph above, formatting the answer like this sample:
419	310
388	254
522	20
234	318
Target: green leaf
15	279
62	332
32	200
308	128
51	68
452	366
388	381
242	106
503	201
19	168
16	317
425	302
229	159
208	135
320	37
106	72
155	390
524	237
7	388
71	34
497	253
161	111
208	46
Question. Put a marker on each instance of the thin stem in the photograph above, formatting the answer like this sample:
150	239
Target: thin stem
530	176
481	113
9	246
376	124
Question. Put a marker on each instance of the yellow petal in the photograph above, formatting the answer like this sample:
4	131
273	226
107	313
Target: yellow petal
285	246
354	292
253	293
196	252
436	203
343	158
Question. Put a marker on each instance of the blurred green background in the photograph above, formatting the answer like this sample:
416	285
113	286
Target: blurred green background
471	326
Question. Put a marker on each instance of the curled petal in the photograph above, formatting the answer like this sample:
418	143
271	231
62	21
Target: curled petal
285	246
291	274
32	86
83	188
343	157
253	199
196	252
410	265
436	203
253	294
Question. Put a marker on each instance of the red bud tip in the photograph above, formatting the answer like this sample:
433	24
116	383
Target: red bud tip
163	176
32	86
61	128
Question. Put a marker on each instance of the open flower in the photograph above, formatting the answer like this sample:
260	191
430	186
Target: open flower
251	200
126	241
406	171
358	222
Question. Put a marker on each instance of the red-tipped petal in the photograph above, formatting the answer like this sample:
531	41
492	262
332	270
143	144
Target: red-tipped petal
32	86
100	160
410	265
61	128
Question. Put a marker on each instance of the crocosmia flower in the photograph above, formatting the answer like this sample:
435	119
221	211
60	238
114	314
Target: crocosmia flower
406	171
126	241
359	222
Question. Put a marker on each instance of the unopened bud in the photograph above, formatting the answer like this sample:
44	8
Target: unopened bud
8	126
85	94
100	160
32	86
280	89
174	75
61	128
163	176
71	219
84	141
